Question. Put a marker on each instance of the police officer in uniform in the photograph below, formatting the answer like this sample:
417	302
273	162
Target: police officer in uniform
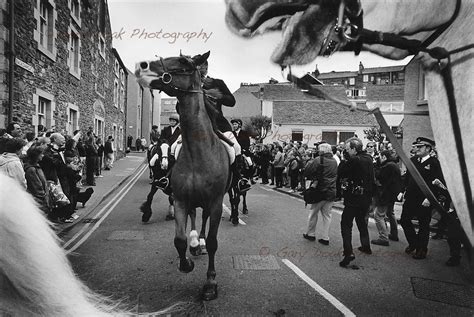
416	204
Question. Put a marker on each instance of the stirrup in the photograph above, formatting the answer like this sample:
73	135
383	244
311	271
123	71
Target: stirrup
162	183
243	185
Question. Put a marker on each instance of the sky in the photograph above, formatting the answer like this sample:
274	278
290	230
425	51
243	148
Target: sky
145	29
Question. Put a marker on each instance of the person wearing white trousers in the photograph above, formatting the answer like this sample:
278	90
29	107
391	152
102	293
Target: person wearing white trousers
324	207
322	171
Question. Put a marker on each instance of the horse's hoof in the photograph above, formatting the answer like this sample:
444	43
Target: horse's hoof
209	291
196	251
245	211
146	216
203	249
235	221
186	266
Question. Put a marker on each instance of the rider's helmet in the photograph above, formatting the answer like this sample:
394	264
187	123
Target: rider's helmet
238	121
175	117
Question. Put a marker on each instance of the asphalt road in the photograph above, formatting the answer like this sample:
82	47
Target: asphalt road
264	266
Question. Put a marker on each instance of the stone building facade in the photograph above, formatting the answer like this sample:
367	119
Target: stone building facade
67	76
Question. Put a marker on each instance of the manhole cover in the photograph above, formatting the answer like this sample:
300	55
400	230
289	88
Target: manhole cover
255	262
90	220
444	292
126	235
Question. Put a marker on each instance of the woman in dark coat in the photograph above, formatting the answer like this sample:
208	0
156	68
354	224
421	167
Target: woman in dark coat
389	185
37	185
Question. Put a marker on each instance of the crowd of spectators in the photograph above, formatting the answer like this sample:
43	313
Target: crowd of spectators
39	162
368	180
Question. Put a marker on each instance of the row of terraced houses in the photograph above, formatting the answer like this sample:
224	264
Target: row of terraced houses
59	71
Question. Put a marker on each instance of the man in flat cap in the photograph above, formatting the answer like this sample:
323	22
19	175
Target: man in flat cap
416	204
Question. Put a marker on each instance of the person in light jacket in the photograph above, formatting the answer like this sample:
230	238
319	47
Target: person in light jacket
322	169
10	163
279	165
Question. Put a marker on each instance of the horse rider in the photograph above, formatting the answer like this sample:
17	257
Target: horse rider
171	135
242	136
217	94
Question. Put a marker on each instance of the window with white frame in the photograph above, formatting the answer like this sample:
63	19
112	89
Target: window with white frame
365	78
99	127
44	108
122	98
45	33
116	68
75	7
352	81
72	119
74	52
120	139
101	46
114	135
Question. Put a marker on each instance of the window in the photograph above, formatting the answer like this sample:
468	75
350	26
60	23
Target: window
72	119
45	32
75	7
44	109
422	95
116	94
41	112
122	98
365	78
116	68
343	136
120	139
329	136
297	135
99	127
352	81
362	92
114	135
335	137
101	46
101	21
74	52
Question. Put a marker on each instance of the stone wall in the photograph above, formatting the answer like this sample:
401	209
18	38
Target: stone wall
95	84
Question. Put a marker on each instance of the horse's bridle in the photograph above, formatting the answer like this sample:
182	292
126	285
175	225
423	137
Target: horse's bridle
167	77
349	32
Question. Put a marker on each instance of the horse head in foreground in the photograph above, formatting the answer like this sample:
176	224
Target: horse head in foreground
434	31
201	175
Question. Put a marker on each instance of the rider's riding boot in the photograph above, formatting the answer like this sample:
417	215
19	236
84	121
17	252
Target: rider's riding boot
243	184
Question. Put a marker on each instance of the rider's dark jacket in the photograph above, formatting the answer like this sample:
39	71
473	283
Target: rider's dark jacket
227	99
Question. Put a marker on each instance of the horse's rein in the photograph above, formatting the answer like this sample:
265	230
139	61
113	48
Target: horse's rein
167	77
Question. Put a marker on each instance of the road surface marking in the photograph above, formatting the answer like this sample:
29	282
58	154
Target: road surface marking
115	200
333	300
227	210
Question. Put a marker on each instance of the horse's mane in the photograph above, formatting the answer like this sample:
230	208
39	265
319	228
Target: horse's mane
36	278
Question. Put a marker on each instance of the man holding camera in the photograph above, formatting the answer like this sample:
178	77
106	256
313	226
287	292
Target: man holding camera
357	183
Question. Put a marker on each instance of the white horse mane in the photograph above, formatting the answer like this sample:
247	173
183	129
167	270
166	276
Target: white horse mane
36	278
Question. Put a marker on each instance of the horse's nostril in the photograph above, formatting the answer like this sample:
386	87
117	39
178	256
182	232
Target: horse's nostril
143	65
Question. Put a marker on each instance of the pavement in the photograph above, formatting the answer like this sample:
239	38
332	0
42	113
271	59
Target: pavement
123	169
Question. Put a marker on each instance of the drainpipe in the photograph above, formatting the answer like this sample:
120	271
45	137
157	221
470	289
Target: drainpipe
11	66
